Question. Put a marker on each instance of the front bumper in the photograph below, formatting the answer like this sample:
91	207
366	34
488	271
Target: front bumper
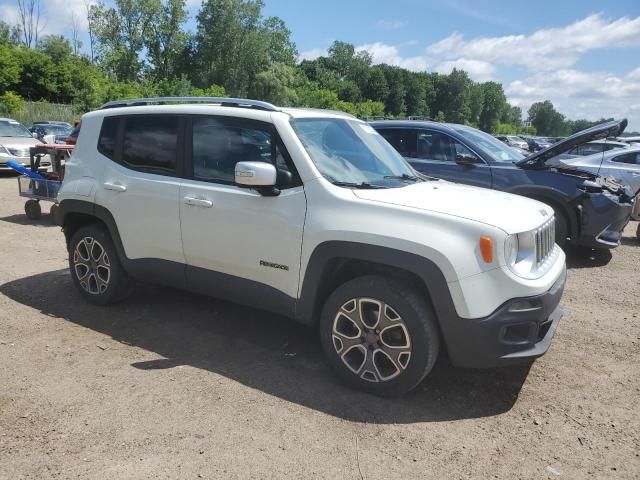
602	220
26	162
519	331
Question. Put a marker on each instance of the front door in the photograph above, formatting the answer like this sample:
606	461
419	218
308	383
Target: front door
238	243
436	156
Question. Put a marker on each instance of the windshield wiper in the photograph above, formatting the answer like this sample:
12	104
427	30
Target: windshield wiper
362	185
404	176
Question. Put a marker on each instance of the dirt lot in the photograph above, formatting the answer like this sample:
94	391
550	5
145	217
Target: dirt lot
173	385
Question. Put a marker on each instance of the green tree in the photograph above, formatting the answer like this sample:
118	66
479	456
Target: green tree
280	47
166	40
277	84
56	47
10	67
377	88
494	105
546	120
120	33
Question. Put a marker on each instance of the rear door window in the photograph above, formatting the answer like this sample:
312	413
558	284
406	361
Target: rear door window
628	158
150	143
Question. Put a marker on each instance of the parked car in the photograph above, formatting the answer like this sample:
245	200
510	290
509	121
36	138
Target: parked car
73	136
597	146
15	141
49	122
588	211
633	141
51	132
514	141
537	143
621	164
313	215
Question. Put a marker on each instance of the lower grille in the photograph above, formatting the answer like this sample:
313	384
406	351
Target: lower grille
545	241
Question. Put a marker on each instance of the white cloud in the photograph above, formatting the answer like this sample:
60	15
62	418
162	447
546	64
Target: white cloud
390	54
479	70
577	94
547	49
390	24
312	54
9	14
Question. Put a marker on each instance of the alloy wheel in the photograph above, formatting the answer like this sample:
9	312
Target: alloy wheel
371	339
91	266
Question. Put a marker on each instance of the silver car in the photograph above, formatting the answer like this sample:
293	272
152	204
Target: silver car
622	165
15	141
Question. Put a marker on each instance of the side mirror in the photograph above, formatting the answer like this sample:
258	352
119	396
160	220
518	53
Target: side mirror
466	159
259	175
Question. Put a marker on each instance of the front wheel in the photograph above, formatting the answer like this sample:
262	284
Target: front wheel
380	335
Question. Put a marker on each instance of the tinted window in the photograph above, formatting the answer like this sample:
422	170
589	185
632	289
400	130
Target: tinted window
150	143
218	143
436	146
404	141
630	158
108	137
591	148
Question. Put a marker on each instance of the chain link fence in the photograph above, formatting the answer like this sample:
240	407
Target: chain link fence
40	111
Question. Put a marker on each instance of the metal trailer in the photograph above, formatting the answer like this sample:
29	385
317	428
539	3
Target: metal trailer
45	188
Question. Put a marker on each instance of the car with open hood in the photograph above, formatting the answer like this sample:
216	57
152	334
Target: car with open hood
589	211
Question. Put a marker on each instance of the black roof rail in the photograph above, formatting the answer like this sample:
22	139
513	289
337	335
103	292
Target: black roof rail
225	102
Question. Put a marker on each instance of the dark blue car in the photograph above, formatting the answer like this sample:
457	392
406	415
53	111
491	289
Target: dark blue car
589	211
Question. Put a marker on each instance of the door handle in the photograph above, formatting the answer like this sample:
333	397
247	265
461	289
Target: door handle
198	202
116	187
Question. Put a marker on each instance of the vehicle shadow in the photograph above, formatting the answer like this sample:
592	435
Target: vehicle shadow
263	351
21	219
580	257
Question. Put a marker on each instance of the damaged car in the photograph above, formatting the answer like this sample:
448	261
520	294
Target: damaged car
590	211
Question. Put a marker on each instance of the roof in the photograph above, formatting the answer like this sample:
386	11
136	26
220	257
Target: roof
182	104
2	119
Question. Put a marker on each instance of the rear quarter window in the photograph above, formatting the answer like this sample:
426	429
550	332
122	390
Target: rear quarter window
108	137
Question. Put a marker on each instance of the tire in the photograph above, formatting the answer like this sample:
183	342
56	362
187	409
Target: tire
32	209
53	211
95	267
562	227
357	349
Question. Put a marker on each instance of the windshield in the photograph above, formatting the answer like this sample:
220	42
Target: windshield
351	152
55	129
515	138
13	129
493	147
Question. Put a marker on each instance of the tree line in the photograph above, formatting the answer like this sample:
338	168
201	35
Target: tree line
140	48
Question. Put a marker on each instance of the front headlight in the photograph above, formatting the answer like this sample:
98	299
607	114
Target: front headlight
511	250
522	255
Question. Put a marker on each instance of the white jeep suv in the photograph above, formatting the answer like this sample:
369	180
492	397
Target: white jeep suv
313	215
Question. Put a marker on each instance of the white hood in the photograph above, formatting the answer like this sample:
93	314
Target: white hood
511	213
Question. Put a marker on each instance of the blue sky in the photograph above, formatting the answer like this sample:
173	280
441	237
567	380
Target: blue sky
582	55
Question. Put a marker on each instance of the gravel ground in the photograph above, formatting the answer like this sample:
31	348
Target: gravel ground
173	385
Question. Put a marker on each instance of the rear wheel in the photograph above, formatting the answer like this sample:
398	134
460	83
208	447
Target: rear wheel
95	266
380	335
32	209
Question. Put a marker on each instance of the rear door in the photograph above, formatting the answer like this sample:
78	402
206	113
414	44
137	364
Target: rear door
140	188
238	242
